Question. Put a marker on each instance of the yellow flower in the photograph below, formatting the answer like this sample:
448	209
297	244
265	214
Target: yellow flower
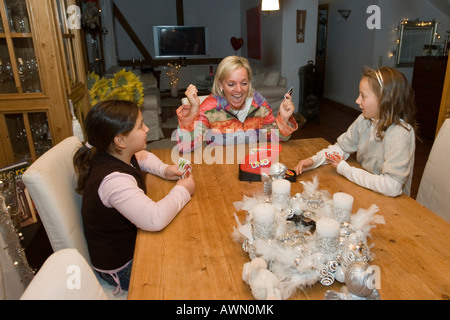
124	86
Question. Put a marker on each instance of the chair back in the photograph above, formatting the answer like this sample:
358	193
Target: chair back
51	183
434	188
65	275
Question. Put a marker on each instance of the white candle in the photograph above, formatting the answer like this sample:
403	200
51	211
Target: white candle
342	203
264	213
342	200
327	227
281	186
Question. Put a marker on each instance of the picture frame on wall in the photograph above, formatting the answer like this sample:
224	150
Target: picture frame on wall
301	22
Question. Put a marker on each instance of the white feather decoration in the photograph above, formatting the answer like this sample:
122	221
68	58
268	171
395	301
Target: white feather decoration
311	187
364	219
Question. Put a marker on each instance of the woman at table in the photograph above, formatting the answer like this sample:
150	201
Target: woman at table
109	170
383	136
232	112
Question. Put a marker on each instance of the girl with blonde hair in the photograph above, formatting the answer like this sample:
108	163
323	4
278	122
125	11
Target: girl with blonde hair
383	136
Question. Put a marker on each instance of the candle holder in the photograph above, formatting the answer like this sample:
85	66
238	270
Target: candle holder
342	206
298	254
263	221
281	193
327	235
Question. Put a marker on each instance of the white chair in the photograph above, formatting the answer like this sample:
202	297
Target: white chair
51	182
65	275
434	189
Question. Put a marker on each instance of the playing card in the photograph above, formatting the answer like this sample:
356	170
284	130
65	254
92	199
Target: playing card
333	156
185	167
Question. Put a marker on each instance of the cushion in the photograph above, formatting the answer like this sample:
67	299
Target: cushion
148	81
258	79
272	78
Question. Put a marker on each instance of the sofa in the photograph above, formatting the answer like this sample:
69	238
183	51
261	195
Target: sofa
271	85
151	109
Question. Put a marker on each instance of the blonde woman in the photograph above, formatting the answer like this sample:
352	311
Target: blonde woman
231	111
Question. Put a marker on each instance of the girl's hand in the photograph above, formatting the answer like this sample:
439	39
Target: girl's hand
334	162
303	165
188	183
172	172
333	158
287	108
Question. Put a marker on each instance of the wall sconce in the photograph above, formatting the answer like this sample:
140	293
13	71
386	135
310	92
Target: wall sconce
270	5
345	13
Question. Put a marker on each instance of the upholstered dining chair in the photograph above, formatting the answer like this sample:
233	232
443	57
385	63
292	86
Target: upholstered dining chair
65	275
51	182
434	188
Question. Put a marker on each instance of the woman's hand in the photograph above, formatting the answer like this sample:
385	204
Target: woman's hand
194	100
303	165
287	108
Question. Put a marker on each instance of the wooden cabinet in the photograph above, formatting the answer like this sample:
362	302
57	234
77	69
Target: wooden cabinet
428	83
41	67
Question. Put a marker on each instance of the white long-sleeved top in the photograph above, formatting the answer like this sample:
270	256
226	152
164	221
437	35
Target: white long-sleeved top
388	163
121	191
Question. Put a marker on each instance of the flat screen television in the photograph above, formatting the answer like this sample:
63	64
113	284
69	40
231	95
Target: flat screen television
181	41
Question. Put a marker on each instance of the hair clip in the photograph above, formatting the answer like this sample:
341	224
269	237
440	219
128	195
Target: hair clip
379	77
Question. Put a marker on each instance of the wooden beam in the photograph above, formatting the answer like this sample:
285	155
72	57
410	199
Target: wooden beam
133	36
148	59
180	13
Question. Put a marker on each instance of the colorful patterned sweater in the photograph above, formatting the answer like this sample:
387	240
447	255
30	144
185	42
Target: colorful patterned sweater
216	123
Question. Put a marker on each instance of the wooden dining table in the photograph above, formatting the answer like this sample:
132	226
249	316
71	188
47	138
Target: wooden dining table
196	258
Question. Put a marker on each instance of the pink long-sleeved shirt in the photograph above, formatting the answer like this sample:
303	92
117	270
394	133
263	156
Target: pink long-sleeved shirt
121	191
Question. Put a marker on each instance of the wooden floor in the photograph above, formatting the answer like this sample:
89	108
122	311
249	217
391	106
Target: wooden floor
334	119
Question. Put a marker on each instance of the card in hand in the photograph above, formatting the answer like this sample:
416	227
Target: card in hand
333	156
185	167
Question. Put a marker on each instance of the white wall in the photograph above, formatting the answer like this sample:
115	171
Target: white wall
351	45
296	55
221	17
280	50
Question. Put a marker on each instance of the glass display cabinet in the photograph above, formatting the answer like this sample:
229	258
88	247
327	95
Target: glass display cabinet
41	68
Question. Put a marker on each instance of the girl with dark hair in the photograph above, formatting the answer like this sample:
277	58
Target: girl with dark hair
109	169
383	136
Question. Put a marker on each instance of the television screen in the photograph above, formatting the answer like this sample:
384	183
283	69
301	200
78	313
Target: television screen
180	41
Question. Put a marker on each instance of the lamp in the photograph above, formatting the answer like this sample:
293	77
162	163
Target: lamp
270	5
345	13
